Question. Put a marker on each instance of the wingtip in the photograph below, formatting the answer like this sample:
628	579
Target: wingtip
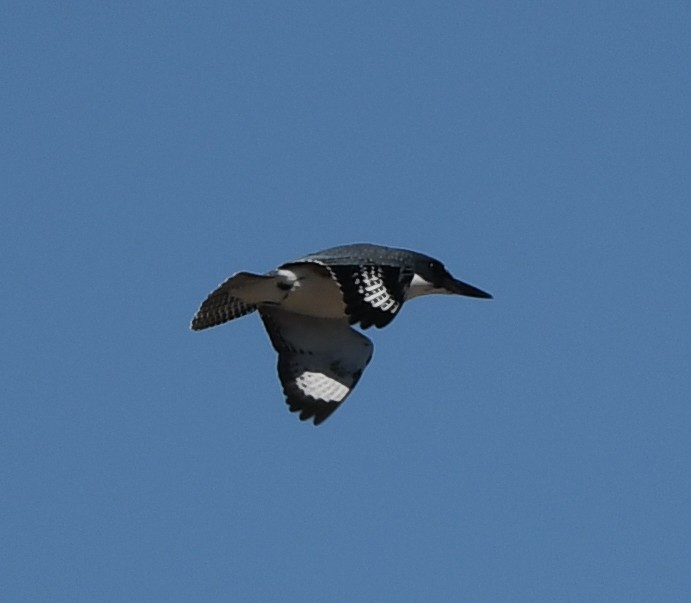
316	411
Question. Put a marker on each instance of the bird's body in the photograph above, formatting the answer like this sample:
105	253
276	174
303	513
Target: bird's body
307	306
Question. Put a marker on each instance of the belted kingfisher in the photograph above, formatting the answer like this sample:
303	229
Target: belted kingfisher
308	305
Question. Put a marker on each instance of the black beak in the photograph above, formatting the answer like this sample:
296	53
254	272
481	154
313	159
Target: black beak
460	288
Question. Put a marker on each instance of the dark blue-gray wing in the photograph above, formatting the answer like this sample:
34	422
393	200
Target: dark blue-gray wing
373	295
374	279
320	360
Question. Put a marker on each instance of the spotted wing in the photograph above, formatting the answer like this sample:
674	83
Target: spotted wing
233	298
373	295
320	360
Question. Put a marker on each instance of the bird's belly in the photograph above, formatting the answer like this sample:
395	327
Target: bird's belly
314	293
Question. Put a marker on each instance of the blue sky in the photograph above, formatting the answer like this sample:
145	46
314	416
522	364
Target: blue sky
531	448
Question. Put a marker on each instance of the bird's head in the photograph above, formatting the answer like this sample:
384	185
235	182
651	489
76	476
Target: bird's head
431	276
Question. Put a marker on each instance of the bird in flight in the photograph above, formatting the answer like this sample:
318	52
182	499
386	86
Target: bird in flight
308	306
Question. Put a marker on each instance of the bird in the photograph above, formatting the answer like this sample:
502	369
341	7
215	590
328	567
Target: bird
310	305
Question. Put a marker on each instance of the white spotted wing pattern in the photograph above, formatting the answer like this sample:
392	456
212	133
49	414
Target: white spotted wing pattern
373	295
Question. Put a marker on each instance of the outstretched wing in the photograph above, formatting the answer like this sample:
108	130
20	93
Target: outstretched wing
320	360
373	295
237	296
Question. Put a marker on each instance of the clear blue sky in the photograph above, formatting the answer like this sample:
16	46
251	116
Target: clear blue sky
532	448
